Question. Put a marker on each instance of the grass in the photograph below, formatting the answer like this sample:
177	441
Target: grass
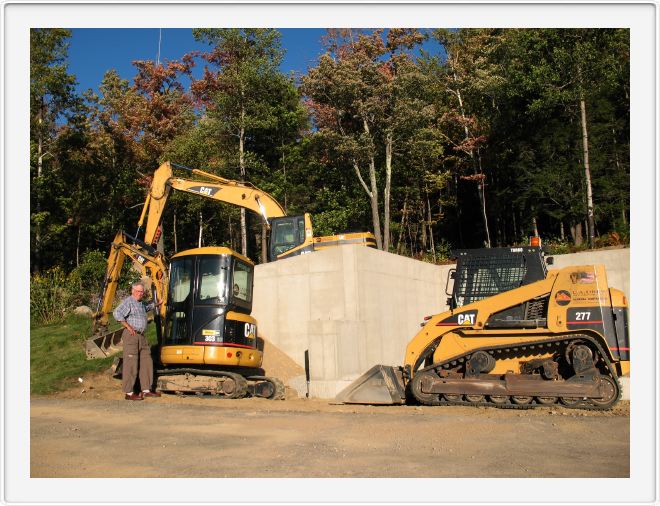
57	354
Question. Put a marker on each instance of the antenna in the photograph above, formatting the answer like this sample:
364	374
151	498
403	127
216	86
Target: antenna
160	32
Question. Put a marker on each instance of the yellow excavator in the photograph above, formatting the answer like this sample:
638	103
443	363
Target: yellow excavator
516	335
207	340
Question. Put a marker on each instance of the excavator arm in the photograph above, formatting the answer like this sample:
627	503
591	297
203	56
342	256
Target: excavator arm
213	187
151	264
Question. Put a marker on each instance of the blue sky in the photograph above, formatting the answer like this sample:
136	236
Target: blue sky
93	51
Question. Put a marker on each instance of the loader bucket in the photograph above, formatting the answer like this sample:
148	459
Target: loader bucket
104	345
382	384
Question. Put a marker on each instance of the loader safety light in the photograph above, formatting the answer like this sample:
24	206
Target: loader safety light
535	241
427	318
229	354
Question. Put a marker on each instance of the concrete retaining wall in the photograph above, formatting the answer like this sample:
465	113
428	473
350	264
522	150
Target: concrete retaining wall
352	307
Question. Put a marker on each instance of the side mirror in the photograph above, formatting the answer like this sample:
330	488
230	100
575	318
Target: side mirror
550	260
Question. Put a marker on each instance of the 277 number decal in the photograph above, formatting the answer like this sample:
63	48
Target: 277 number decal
582	316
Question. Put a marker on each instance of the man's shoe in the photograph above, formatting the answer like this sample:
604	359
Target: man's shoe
150	394
133	397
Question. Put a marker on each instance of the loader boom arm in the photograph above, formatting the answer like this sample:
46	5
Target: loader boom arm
210	186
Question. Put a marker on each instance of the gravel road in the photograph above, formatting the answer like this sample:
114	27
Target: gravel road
95	433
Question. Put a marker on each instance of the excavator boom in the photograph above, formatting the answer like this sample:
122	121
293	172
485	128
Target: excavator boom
213	187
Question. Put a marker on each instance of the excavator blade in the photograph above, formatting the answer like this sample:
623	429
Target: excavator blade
104	345
382	384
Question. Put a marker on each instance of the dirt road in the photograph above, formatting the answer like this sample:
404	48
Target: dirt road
87	434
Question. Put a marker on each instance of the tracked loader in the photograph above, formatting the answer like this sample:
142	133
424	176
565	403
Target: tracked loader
516	335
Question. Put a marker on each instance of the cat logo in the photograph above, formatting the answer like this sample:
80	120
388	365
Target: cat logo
466	319
250	330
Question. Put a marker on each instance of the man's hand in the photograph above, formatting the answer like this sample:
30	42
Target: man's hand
130	329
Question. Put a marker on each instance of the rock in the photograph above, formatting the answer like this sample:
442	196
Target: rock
83	311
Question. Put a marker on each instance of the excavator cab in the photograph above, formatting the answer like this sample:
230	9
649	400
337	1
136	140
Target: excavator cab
209	305
287	233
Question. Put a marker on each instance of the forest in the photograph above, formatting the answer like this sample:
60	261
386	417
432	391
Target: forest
502	135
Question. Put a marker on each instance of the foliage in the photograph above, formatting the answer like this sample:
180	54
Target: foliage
50	298
480	142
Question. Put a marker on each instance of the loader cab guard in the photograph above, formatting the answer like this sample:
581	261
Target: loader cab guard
482	273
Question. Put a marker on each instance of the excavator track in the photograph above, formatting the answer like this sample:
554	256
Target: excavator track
481	386
225	384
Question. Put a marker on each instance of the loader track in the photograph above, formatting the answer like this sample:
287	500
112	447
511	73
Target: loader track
557	345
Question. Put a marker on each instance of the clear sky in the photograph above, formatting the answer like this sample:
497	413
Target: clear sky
93	51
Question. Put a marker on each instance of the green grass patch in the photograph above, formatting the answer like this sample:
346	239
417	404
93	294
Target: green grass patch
57	354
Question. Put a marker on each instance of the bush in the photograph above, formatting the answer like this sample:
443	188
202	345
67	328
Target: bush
86	280
49	296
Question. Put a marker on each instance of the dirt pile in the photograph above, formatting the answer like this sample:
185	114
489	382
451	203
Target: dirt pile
278	364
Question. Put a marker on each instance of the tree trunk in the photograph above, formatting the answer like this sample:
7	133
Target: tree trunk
389	141
587	172
264	244
476	166
174	230
618	168
78	247
576	233
562	235
199	240
40	161
375	215
428	203
403	222
371	190
241	162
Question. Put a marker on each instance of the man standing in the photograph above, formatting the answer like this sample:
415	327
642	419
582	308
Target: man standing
132	314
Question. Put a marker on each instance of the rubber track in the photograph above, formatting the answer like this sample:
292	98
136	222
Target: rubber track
533	348
277	384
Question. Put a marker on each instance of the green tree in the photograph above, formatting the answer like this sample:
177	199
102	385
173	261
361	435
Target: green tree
360	98
569	71
51	97
235	90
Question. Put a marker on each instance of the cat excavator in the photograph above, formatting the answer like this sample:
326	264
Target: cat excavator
516	335
207	340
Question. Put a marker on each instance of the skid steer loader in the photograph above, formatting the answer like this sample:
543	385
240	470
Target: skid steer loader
515	335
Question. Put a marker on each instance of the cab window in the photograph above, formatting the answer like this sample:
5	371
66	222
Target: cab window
242	282
212	281
180	279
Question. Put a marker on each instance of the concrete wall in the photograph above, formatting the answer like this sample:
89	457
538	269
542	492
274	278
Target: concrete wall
353	307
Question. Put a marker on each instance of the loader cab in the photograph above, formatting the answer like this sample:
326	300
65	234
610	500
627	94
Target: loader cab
210	289
288	233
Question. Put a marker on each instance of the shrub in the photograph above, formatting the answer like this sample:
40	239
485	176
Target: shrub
49	296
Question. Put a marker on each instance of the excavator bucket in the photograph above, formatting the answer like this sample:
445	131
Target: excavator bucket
382	384
104	345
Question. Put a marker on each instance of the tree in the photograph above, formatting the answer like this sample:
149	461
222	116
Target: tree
51	98
235	90
359	95
568	71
